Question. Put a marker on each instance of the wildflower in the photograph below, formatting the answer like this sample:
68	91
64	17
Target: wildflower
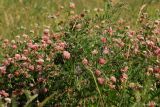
45	38
157	75
125	69
157	51
34	46
13	41
14	46
46	31
110	31
44	45
97	72
23	57
105	50
113	79
62	44
18	92
152	104
3	93
17	56
40	79
8	100
85	61
40	61
94	52
156	70
66	55
16	73
25	52
9	59
102	61
131	33
150	43
18	37
31	67
39	68
6	41
3	70
140	37
58	48
25	36
103	40
123	77
49	42
119	42
31	85
26	75
79	26
136	49
56	36
150	69
25	64
72	5
101	80
97	26
111	86
10	76
104	32
6	62
45	90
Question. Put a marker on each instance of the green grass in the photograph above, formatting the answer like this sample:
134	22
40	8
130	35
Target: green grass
82	59
23	16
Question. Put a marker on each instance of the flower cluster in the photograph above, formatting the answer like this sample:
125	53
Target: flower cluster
84	60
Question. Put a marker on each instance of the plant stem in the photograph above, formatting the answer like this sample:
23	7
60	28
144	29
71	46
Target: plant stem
100	94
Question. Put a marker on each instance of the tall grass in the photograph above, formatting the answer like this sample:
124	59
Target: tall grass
81	58
24	16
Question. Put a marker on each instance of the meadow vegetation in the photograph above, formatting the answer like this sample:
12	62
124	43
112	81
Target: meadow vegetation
80	53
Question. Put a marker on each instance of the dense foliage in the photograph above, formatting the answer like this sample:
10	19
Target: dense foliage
88	60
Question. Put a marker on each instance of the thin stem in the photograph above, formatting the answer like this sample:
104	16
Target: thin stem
100	94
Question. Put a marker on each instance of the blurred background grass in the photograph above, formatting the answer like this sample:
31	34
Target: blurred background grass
23	16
